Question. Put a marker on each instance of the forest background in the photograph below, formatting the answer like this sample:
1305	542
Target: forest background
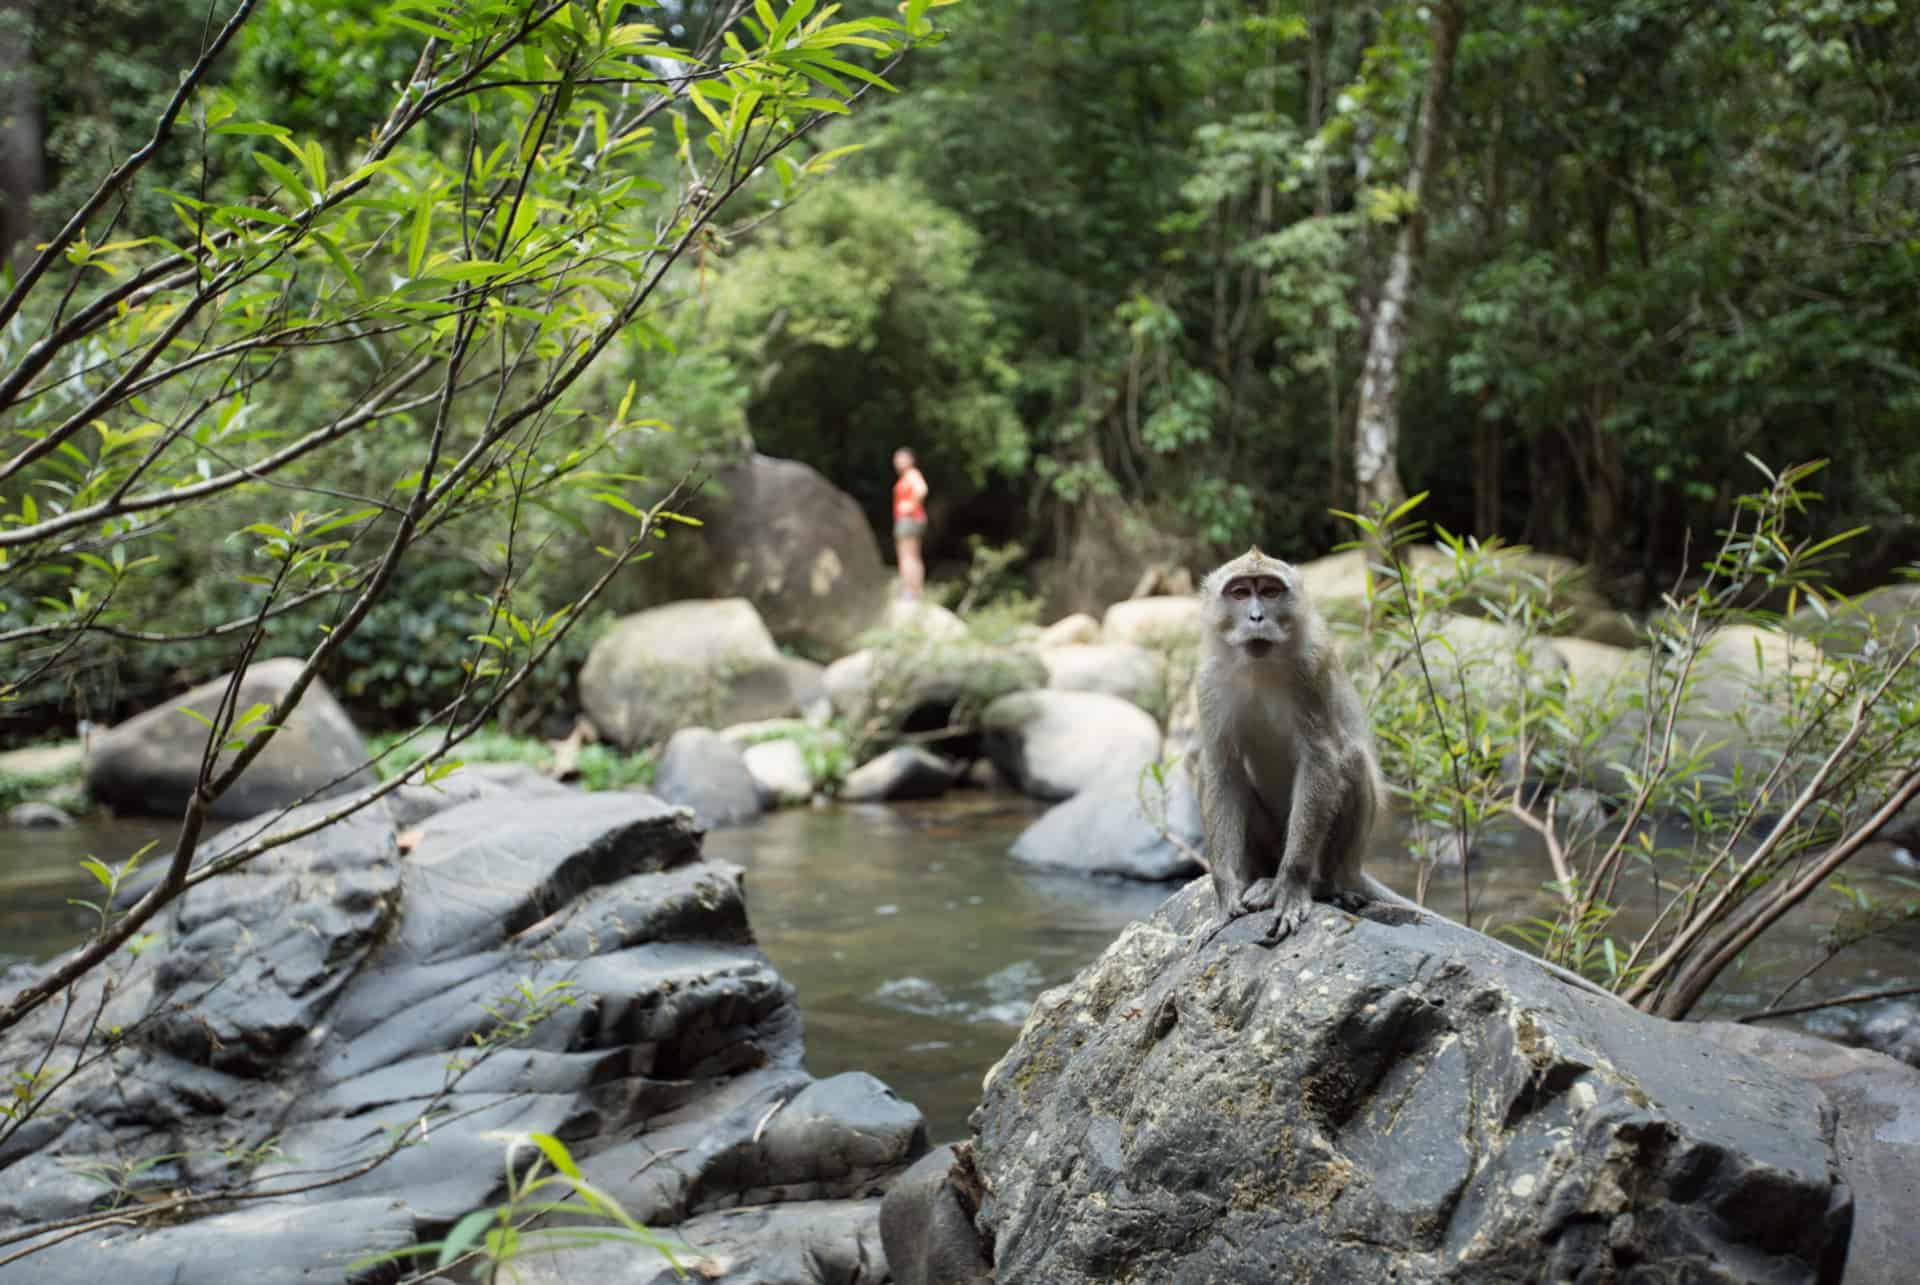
1115	269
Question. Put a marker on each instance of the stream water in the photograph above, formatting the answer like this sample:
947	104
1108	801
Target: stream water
916	946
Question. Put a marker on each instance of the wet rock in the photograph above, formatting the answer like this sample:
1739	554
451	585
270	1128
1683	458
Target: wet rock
687	664
37	816
1385	1101
1053	744
561	963
149	763
903	772
699	769
1124	825
926	1223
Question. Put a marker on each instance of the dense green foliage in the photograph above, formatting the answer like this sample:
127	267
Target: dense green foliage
1663	236
1129	254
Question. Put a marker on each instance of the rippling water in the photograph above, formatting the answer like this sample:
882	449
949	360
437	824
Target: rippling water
916	946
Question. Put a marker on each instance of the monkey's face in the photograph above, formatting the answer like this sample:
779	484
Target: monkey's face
1253	601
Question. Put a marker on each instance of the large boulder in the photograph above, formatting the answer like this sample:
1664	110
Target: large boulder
687	664
1133	673
1373	1101
1887	617
794	545
1162	623
561	963
702	770
1126	824
903	772
779	771
150	763
922	684
1052	744
1078	628
1338	584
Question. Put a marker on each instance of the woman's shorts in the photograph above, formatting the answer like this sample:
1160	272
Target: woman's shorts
909	528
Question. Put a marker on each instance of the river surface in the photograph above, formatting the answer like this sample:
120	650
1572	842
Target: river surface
916	946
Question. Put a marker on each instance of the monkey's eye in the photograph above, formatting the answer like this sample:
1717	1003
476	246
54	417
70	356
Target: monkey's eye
1272	588
1240	590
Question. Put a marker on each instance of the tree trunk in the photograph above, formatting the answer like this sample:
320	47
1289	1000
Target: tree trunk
20	173
1376	435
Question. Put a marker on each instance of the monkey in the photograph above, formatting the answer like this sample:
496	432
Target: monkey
1290	787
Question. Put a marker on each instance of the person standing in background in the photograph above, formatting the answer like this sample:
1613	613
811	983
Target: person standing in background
909	523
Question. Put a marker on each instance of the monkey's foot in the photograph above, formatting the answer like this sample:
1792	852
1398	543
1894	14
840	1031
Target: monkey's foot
1350	901
1288	915
1255	897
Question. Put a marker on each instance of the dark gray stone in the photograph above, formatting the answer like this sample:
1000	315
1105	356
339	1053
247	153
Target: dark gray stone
1878	1101
37	816
149	763
1373	1101
904	772
701	770
558	962
926	1223
1105	830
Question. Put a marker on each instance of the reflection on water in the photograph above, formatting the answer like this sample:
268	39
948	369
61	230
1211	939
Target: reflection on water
916	946
40	870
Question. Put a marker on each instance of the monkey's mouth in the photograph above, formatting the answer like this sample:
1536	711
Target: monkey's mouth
1259	648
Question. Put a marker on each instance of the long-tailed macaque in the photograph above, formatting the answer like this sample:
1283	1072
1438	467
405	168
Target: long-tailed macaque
1289	786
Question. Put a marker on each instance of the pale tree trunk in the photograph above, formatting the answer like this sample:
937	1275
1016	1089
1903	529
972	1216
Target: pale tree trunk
19	130
1376	430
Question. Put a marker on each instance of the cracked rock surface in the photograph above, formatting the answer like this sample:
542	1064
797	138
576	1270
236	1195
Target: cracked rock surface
1372	1101
524	962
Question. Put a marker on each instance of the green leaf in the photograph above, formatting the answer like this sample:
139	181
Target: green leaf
464	1234
422	225
281	174
339	261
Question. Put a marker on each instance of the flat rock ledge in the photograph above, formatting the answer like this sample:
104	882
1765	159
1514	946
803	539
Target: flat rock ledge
547	962
1369	1101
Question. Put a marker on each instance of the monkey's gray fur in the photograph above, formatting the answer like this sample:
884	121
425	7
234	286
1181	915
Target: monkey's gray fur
1289	786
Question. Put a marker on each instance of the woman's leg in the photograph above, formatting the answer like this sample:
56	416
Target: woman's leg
913	572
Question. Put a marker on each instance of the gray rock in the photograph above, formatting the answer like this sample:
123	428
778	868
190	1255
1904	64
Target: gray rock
918	683
1106	830
1161	622
811	1242
903	772
700	770
563	963
687	664
1053	744
1133	673
1887	617
779	770
808	681
37	816
149	763
926	1223
1078	628
794	545
1373	1101
1878	1103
